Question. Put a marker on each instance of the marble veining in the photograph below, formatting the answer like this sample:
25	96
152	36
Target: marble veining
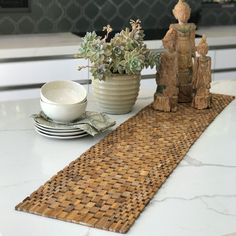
198	198
193	162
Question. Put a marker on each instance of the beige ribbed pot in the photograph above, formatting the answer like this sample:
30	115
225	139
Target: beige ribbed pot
117	94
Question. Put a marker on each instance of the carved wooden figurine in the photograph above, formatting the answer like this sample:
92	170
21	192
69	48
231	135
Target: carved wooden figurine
166	96
202	77
183	36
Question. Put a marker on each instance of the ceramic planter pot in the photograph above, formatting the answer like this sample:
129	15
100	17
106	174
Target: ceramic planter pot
117	94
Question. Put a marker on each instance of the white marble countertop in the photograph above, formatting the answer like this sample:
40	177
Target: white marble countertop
64	44
38	45
217	36
198	199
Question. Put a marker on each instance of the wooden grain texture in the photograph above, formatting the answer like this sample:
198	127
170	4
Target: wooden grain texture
109	185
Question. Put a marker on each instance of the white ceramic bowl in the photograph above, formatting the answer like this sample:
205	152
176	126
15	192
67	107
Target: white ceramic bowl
63	112
63	92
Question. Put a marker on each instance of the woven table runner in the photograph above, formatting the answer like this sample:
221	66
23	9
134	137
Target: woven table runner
111	183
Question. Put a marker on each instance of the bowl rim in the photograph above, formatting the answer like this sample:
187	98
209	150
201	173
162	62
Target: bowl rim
64	104
77	84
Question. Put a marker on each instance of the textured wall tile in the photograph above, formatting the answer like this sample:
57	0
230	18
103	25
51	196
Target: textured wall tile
82	24
86	15
125	10
26	25
37	12
7	26
54	12
109	10
218	16
64	25
73	11
91	10
45	25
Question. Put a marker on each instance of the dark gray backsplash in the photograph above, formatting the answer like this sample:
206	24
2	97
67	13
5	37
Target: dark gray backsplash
218	14
86	15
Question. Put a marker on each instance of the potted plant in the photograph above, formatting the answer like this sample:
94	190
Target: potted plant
116	66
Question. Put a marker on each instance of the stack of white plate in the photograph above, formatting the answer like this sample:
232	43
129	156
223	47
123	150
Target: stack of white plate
59	132
62	101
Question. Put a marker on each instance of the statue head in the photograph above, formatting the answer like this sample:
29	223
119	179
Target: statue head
182	11
202	47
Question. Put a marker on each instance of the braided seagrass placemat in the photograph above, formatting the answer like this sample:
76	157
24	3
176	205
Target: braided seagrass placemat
111	183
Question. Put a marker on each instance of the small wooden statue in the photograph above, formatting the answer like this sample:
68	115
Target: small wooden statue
202	77
183	36
166	96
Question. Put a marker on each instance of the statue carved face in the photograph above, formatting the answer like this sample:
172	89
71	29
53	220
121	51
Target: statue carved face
202	48
182	11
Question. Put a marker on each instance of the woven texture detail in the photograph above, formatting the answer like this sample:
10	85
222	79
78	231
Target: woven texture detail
111	183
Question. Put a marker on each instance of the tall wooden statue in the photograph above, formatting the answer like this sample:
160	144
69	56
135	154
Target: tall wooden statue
166	96
183	36
202	77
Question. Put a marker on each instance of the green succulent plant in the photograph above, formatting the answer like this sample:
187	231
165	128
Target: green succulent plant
125	53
